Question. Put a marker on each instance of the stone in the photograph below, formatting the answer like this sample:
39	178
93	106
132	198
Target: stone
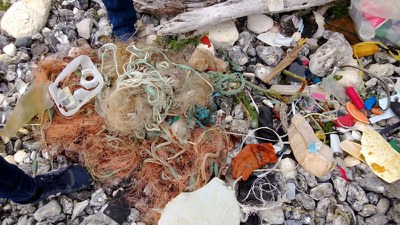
383	206
383	56
99	198
238	112
25	220
351	161
321	191
25	18
223	34
245	41
21	86
377	220
10	159
324	178
356	196
382	70
52	208
239	126
9	221
3	41
323	205
5	58
238	56
228	119
133	216
98	219
367	210
57	218
371	82
39	49
10	50
373	184
270	55
340	186
67	205
23	42
335	52
79	207
292	222
84	28
11	75
272	216
259	23
31	145
305	201
147	20
373	198
19	156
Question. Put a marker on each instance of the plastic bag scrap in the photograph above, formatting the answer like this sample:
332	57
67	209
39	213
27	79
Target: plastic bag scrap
251	157
35	100
380	156
213	204
312	154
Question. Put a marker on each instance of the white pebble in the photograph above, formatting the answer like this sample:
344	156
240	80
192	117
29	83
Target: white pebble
356	135
10	159
10	50
228	119
19	156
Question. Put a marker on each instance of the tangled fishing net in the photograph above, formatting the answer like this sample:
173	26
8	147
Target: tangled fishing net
146	94
170	168
147	91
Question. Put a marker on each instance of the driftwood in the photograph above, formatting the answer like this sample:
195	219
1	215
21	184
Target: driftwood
231	9
170	7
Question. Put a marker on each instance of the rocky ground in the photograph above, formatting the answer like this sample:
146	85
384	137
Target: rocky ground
366	199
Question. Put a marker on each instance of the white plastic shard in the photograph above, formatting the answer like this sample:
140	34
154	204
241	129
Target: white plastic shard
213	204
91	83
380	156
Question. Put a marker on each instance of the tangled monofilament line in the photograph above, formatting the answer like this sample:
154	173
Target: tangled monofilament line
139	73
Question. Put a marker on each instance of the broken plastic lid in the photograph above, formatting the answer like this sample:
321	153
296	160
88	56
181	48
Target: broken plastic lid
357	114
91	82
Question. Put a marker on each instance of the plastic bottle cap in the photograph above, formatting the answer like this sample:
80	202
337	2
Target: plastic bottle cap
366	31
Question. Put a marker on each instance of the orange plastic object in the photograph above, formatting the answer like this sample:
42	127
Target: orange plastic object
357	114
377	111
253	156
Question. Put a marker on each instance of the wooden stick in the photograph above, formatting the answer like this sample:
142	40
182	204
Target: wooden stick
229	10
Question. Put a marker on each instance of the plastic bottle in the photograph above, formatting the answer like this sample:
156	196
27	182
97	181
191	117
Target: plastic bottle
35	100
289	172
333	87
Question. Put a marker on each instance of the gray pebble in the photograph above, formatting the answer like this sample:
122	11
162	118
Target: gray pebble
383	206
367	210
377	220
305	201
270	55
321	191
356	196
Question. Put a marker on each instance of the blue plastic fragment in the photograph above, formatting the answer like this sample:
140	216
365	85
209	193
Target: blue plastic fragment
313	147
370	102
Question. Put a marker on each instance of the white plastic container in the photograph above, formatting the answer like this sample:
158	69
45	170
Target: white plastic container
91	83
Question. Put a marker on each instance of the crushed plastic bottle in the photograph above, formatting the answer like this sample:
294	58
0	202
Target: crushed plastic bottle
35	100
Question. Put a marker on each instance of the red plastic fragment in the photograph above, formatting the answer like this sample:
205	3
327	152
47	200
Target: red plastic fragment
343	173
205	40
346	120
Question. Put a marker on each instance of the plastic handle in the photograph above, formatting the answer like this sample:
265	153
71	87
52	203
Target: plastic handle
357	101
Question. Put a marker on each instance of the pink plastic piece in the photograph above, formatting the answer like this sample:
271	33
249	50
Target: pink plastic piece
357	101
